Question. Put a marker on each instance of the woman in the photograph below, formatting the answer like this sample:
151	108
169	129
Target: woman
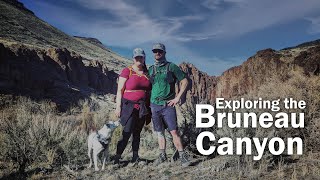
132	96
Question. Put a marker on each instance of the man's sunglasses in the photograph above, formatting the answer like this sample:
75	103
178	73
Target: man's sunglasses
157	51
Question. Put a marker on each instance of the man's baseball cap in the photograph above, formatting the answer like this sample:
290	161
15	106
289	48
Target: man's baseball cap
138	52
159	46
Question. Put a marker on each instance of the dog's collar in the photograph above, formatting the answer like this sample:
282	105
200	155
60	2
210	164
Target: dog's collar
103	140
112	126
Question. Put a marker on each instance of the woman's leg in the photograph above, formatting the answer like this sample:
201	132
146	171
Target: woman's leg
122	143
137	128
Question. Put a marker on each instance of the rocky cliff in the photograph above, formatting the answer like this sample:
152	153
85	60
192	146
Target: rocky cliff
42	62
249	76
265	65
55	74
202	87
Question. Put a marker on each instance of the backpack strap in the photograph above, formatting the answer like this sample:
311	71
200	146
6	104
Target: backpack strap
168	67
130	71
154	70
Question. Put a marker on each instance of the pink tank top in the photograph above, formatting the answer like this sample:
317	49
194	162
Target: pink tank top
136	85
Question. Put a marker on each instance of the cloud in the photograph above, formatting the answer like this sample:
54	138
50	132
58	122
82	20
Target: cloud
178	53
127	27
243	17
252	15
129	24
315	25
143	32
211	4
218	4
227	19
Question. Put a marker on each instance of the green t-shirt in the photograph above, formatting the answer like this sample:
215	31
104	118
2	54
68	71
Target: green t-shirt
162	91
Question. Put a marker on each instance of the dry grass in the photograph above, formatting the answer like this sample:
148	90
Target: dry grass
298	86
34	135
294	85
43	138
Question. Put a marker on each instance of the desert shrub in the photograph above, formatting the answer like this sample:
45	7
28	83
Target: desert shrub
296	85
149	140
299	87
33	133
114	139
74	147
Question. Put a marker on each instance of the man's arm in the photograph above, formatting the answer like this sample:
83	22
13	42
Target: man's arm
183	87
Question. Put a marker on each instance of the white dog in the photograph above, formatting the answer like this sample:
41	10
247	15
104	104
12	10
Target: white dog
99	142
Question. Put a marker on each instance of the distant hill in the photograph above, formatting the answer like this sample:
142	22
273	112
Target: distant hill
306	44
20	25
93	41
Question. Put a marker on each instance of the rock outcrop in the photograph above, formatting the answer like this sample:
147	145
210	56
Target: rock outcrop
249	76
265	65
202	87
309	60
54	74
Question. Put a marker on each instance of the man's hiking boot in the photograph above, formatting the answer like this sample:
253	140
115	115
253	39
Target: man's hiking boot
184	160
175	156
161	159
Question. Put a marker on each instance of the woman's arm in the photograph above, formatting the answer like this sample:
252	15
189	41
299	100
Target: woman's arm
120	91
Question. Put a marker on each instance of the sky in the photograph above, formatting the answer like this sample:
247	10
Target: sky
214	35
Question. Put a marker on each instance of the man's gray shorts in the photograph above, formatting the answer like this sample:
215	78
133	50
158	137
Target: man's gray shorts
164	117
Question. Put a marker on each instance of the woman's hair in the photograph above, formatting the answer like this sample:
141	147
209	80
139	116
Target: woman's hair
144	66
145	69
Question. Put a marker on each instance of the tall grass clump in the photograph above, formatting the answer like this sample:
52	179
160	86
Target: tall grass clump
299	87
33	134
295	85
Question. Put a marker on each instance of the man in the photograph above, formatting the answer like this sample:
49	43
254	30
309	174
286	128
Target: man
163	76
